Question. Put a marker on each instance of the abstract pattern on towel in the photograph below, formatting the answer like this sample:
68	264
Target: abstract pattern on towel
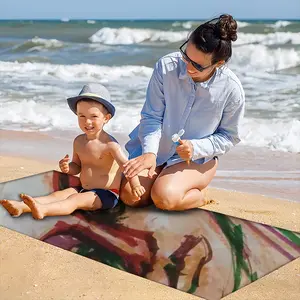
203	253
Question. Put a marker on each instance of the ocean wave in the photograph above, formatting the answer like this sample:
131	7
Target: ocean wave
262	58
69	73
275	134
280	23
38	44
39	115
186	25
127	36
241	24
190	24
276	38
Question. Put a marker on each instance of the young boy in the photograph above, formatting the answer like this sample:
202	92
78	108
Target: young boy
96	156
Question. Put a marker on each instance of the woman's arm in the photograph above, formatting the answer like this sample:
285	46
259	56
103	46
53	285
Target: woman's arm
150	127
227	134
152	113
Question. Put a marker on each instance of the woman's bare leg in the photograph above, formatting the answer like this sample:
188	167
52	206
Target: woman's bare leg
85	201
179	186
128	198
16	208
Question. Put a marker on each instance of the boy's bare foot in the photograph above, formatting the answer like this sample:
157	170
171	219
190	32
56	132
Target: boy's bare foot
36	208
15	208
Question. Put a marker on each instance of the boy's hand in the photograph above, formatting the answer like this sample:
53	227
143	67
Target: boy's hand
185	150
138	191
64	164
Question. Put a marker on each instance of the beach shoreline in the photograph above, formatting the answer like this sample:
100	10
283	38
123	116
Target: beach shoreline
245	169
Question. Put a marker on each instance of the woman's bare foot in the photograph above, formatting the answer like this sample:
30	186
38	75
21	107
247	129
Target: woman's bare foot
206	199
15	208
36	208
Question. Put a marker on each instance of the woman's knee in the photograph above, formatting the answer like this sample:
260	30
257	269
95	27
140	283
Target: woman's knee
165	196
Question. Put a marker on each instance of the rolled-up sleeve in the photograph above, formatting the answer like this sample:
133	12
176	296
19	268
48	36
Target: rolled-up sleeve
227	134
152	113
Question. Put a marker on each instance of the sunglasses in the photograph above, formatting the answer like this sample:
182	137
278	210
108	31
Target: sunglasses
194	64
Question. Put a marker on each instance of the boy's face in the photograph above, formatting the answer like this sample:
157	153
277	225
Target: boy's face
91	117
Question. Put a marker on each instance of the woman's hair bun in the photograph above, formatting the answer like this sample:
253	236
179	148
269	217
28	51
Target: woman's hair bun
227	28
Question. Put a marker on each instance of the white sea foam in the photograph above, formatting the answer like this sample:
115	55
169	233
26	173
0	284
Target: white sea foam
126	36
36	97
45	44
34	114
241	24
250	58
280	23
71	73
33	95
262	58
39	115
38	44
273	134
190	24
276	38
186	25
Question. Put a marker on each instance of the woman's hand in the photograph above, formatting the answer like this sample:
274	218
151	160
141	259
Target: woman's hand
134	166
185	150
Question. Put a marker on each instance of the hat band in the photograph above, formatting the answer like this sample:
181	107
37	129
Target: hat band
91	95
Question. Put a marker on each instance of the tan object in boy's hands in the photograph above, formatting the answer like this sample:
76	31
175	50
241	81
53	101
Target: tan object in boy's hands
64	164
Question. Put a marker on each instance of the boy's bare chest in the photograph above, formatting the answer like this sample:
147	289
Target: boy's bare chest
94	153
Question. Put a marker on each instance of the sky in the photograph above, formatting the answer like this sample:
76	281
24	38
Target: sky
148	9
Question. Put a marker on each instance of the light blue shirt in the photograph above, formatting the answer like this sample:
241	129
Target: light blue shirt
209	112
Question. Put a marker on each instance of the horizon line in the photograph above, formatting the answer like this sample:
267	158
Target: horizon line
138	19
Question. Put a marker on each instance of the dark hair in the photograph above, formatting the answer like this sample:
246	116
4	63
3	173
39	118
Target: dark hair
215	37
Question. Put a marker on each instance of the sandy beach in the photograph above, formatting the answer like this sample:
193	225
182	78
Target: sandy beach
64	275
47	55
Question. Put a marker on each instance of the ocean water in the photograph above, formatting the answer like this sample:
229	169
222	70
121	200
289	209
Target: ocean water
44	62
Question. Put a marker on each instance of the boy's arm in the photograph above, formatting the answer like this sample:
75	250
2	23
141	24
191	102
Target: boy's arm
74	167
75	164
121	159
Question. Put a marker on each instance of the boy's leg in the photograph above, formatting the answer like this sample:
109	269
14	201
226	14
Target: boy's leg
56	196
16	208
85	201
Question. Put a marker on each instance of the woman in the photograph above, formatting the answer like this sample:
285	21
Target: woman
191	90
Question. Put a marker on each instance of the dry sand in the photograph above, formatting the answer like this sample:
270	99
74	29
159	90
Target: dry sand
31	269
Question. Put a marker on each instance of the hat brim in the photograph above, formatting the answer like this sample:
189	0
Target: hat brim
72	102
